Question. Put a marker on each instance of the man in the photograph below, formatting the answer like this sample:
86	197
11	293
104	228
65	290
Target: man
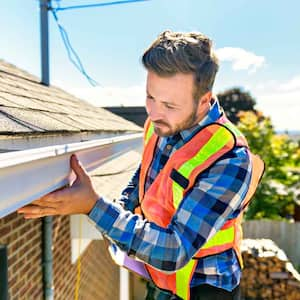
181	212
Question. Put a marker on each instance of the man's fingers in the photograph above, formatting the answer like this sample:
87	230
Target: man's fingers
37	216
29	209
60	201
29	216
78	168
47	203
37	211
53	197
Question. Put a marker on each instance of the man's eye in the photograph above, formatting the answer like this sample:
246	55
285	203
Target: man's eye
169	106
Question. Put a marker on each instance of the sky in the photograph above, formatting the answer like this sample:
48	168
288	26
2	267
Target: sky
257	43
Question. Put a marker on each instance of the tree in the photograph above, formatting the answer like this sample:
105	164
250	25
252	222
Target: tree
274	198
235	100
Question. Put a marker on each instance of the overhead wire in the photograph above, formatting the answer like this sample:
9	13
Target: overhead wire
99	4
73	56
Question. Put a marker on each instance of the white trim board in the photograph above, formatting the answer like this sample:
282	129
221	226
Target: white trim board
29	174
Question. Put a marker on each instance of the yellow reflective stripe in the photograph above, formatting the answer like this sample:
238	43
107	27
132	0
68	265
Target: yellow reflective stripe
149	133
233	128
220	238
218	140
221	137
183	279
177	193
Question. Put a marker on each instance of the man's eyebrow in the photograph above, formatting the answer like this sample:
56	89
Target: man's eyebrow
163	101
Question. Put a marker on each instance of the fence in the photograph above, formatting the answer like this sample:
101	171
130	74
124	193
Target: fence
285	235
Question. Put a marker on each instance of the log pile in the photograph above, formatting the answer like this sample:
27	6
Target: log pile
267	273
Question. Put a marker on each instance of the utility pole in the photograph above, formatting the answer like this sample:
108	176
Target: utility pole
44	9
47	222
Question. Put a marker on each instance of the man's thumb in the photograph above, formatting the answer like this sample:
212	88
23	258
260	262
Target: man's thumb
78	168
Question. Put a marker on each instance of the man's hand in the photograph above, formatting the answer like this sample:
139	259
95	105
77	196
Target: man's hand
76	199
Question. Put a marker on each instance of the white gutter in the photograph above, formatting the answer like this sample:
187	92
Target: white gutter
27	175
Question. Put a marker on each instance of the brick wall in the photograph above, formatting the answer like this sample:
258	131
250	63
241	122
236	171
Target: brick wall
99	276
24	256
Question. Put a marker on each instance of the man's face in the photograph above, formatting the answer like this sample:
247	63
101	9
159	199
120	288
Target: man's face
170	104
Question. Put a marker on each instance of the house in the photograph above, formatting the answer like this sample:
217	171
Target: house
136	114
33	116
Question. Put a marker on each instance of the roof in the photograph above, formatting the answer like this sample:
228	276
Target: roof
111	178
28	107
136	114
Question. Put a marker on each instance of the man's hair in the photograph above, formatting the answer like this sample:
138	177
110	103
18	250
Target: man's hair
189	53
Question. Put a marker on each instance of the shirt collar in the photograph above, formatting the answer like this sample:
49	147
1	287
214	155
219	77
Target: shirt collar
212	116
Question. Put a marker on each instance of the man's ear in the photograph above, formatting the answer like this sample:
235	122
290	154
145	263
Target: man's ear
204	102
205	99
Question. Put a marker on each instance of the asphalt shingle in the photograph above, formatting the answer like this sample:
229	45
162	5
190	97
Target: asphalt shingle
27	106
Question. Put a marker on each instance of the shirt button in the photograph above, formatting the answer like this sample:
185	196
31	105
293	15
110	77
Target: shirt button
169	147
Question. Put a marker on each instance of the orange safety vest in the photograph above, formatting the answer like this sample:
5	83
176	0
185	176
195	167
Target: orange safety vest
160	202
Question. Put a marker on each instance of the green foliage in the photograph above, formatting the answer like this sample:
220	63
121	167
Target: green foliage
274	198
235	100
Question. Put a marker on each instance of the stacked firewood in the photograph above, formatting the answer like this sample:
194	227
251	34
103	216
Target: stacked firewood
267	273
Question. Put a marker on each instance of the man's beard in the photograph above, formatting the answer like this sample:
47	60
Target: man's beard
189	122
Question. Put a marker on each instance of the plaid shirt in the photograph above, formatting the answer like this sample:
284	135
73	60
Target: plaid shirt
216	197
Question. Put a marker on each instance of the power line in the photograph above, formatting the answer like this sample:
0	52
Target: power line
57	3
97	4
73	56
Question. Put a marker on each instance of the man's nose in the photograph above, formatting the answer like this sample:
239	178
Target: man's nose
154	112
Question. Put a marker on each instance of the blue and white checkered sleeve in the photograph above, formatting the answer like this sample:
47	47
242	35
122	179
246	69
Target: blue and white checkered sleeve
216	197
130	195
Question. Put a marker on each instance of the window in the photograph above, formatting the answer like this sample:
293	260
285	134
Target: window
3	273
